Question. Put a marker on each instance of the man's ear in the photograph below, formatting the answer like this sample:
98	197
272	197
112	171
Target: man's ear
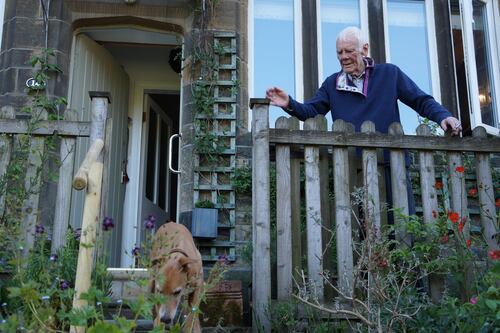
365	49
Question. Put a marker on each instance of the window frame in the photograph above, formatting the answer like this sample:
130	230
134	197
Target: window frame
298	58
466	19
431	42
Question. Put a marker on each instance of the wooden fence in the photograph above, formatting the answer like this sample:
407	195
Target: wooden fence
314	146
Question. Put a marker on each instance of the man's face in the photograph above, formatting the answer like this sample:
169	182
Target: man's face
350	58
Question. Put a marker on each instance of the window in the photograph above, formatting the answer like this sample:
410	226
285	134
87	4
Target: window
476	62
274	49
334	15
409	47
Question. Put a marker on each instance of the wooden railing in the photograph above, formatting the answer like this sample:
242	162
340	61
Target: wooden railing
314	146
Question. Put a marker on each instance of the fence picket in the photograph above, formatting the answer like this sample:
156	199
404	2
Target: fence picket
370	182
283	216
6	112
399	185
486	194
429	202
33	186
343	213
293	124
313	210
64	188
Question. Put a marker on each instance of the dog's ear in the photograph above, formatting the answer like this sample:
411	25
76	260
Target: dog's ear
185	262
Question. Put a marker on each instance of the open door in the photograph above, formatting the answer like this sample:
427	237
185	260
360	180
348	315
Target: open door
159	186
93	68
157	130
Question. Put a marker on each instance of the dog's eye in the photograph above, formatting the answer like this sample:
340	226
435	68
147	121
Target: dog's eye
177	292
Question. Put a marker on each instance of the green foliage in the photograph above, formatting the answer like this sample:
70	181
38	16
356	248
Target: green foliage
204	204
242	180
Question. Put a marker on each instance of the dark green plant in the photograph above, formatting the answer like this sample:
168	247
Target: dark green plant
204	204
242	180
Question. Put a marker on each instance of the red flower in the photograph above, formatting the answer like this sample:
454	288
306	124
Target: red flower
460	227
472	192
434	214
438	185
460	169
494	254
468	243
497	202
445	239
453	216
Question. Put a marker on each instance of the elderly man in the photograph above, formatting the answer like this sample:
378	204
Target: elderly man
364	91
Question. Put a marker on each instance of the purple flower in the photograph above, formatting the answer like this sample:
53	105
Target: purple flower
53	257
77	233
63	284
107	224
136	251
149	223
473	300
39	229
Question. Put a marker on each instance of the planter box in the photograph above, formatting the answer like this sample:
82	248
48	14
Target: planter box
204	222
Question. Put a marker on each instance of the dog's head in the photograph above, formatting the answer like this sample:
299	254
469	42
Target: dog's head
172	276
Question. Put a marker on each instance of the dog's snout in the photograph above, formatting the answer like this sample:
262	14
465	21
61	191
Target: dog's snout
166	319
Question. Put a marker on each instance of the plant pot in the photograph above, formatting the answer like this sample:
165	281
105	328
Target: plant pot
204	223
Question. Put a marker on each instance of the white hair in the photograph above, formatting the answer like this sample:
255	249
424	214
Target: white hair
350	33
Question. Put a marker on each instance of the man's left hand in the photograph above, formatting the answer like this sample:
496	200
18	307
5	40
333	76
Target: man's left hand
453	124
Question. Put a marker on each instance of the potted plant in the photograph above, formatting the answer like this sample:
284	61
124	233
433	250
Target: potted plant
204	220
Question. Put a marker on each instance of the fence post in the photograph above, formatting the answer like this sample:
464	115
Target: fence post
261	226
6	112
313	211
63	197
399	185
486	194
93	181
343	212
429	203
370	178
283	216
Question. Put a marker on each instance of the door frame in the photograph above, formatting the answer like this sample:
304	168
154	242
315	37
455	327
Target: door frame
131	209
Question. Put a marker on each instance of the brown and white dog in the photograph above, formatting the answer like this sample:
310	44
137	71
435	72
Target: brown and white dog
176	271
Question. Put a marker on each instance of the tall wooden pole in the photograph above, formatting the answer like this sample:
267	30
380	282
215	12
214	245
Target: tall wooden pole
90	175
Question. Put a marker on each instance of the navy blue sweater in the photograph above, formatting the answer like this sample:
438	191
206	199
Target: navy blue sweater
383	85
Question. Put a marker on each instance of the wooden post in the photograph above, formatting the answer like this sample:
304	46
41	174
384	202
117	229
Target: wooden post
283	216
261	272
486	194
429	203
399	184
63	198
343	212
293	124
92	178
6	112
88	238
313	211
370	179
